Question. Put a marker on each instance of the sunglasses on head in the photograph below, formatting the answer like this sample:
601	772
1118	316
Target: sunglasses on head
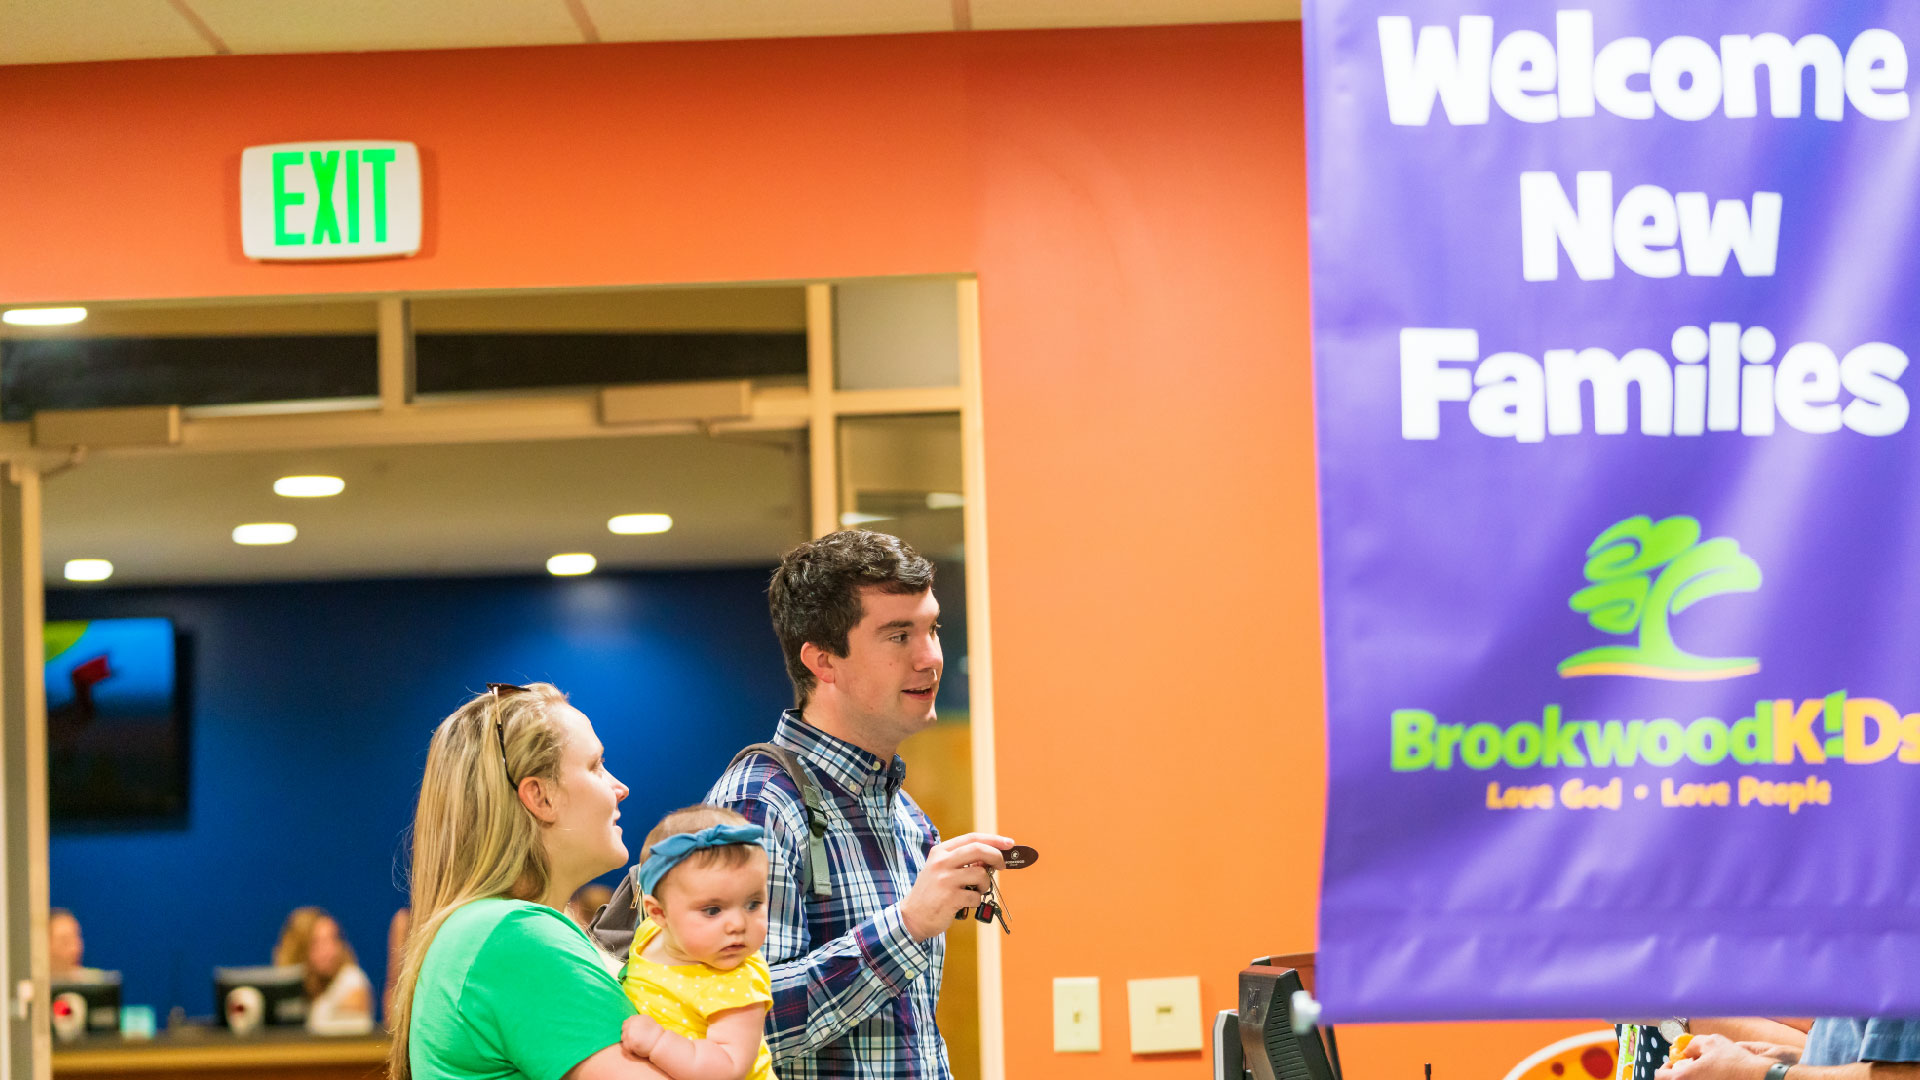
500	690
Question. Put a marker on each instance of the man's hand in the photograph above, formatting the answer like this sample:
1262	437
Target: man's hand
954	878
640	1034
1715	1057
1772	1051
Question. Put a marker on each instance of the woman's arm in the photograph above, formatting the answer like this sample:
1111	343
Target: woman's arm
345	1007
727	1053
357	1002
613	1063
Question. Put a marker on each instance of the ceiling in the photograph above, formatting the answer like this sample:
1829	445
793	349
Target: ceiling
429	511
456	509
65	31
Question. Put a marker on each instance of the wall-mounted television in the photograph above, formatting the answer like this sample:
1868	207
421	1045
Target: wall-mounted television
116	725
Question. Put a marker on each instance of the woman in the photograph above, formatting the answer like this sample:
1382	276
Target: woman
517	810
339	995
396	946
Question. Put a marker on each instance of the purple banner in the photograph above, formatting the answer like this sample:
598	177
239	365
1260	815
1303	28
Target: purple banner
1613	309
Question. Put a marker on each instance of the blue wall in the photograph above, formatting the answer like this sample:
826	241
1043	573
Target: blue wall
312	705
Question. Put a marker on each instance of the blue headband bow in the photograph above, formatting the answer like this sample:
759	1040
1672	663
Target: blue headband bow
668	853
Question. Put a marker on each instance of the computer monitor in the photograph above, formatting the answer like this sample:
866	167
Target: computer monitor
282	991
1229	1063
1269	1048
87	1006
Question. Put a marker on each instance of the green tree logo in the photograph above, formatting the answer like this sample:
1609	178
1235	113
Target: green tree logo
1626	597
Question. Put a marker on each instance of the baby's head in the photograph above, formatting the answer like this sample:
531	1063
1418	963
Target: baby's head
711	900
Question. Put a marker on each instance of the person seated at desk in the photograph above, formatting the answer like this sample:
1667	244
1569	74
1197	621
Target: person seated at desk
1838	1048
339	995
1649	1045
587	903
65	947
396	944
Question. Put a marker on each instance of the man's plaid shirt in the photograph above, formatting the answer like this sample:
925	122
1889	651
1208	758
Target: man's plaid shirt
853	993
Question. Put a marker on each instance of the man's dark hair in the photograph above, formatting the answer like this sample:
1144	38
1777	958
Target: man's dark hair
815	592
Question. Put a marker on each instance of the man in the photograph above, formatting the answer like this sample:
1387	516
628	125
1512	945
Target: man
856	975
1838	1048
65	945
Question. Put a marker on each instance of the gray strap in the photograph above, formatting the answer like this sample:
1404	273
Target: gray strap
613	925
791	764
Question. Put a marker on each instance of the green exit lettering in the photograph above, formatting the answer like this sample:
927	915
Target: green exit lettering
357	172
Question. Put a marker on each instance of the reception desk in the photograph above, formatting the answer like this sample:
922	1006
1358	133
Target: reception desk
216	1055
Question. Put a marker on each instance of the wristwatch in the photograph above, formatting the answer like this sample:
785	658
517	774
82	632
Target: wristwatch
1673	1027
1778	1070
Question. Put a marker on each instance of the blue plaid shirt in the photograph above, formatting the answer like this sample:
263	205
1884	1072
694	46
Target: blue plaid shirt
853	993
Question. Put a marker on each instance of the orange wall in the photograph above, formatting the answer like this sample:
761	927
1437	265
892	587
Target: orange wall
1134	204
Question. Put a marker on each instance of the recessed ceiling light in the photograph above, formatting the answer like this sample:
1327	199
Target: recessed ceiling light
43	316
309	487
639	524
571	565
278	532
853	519
89	569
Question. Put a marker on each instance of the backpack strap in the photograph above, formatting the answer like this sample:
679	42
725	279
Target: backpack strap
791	764
613	925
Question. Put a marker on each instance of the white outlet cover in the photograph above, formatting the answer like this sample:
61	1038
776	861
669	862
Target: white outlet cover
1164	1014
1076	1015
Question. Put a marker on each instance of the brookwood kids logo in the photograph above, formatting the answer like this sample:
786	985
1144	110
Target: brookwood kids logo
1641	574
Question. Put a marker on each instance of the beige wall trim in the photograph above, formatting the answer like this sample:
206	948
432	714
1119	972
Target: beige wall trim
140	425
395	352
23	768
569	415
932	399
721	399
986	814
823	447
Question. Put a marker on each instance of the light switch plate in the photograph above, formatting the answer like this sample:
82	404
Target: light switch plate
1076	1016
1164	1014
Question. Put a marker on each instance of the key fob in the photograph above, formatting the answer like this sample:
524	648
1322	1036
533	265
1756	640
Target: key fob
985	912
1020	856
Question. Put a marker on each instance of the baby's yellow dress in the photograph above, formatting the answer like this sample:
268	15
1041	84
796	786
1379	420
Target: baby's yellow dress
681	997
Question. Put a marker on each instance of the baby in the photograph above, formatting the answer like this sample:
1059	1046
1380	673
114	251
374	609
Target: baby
694	970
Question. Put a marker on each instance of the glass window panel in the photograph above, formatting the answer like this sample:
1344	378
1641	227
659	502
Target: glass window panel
902	475
608	338
205	354
897	334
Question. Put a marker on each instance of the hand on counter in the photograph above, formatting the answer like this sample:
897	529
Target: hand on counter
1786	1055
1715	1057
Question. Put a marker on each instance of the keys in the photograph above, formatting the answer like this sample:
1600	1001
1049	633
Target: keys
998	904
992	906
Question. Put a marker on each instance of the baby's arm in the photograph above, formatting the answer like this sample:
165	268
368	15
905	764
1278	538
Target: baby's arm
639	1035
727	1053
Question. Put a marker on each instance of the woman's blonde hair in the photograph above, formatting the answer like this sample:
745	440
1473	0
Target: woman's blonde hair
472	837
296	947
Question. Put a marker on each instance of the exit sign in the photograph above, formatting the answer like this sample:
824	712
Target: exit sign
330	200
